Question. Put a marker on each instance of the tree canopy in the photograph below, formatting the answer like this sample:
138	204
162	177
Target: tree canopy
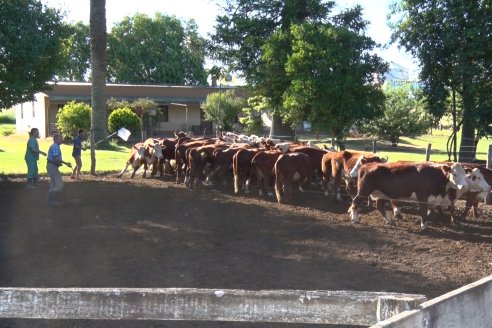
307	62
76	53
451	39
156	51
31	37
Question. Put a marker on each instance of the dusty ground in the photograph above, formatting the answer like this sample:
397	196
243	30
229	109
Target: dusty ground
152	233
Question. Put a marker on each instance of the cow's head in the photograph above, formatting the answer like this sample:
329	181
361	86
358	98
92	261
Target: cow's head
158	150
363	160
283	147
140	152
476	181
456	175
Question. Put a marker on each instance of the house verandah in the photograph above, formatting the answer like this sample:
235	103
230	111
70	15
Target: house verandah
178	106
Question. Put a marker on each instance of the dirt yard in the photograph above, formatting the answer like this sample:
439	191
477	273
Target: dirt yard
154	233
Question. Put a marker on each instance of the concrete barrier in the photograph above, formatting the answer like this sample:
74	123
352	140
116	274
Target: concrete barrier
287	306
468	306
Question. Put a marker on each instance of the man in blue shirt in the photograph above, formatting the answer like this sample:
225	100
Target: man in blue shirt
54	162
77	153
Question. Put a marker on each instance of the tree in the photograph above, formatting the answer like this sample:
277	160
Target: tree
244	29
222	108
334	80
251	114
76	54
451	39
156	51
141	107
98	65
30	49
404	115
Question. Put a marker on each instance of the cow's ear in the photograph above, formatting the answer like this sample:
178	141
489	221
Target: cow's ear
446	168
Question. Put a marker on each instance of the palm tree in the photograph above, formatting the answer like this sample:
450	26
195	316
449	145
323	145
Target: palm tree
98	66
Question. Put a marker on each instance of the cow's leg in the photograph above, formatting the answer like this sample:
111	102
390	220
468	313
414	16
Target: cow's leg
268	181
237	182
396	211
124	170
423	211
380	202
454	219
353	209
475	212
135	169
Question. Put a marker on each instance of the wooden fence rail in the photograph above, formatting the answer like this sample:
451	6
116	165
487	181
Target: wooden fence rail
287	306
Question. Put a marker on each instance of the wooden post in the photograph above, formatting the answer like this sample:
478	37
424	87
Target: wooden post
489	157
488	199
374	149
428	152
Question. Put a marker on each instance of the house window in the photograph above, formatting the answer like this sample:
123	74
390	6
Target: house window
164	112
33	111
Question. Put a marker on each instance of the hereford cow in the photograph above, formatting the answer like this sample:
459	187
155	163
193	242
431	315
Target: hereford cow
473	197
181	158
142	153
198	160
242	169
263	166
289	168
315	155
345	165
223	162
429	184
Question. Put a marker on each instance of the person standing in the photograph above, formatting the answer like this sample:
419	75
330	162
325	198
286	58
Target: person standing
77	154
31	157
54	162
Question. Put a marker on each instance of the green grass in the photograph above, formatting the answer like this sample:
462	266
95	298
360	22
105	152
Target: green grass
413	149
7	116
13	148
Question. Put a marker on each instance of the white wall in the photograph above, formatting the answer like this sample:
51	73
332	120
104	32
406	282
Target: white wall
31	115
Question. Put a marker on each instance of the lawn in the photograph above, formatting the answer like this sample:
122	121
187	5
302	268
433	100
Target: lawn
413	149
13	148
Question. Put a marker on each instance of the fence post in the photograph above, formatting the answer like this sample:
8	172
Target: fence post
488	199
374	149
428	152
489	157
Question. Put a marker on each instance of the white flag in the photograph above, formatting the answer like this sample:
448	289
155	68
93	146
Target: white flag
124	134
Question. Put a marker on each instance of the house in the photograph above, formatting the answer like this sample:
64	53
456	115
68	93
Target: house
179	106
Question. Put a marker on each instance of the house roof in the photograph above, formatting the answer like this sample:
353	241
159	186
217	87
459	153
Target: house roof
81	91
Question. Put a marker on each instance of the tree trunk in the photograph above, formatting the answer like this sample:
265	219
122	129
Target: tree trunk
279	129
468	127
98	67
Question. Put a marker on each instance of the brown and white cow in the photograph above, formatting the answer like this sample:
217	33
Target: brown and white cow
289	168
199	159
181	155
137	154
345	165
483	177
316	156
242	168
429	184
223	169
142	153
263	165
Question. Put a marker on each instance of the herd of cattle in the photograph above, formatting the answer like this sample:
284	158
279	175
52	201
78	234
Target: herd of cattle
278	166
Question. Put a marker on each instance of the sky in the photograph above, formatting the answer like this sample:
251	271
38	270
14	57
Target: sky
205	11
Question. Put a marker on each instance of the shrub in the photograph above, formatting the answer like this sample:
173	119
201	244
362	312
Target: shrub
72	117
7	117
123	118
7	130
